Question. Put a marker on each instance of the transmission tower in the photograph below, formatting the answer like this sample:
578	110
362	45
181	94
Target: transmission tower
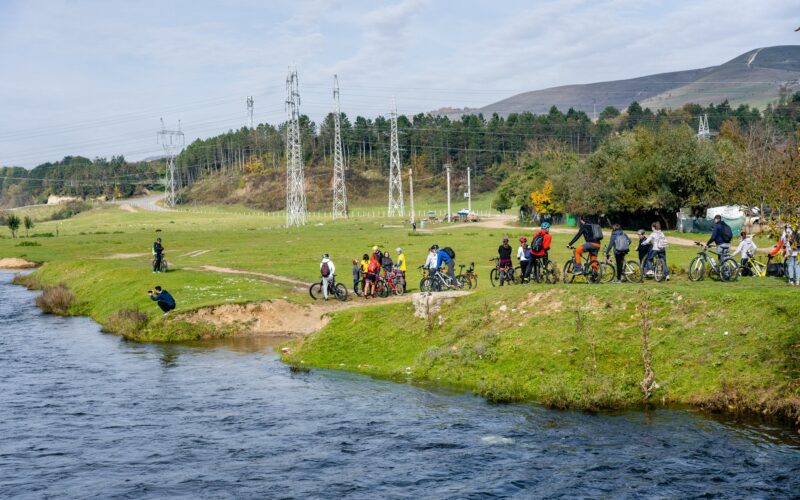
250	109
703	131
395	179
339	189
295	181
172	141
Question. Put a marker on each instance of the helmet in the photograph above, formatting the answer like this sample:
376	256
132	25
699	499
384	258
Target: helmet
505	240
641	231
398	250
324	256
375	249
523	240
545	225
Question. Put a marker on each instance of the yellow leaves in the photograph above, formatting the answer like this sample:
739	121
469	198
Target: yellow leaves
542	200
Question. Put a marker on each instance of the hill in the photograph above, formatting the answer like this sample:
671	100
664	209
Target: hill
754	78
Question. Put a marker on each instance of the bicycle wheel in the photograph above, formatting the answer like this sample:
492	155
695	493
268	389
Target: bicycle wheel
659	269
632	272
607	272
464	280
340	291
697	269
398	289
569	268
385	290
729	271
425	284
164	266
595	275
315	290
549	272
494	277
473	281
512	277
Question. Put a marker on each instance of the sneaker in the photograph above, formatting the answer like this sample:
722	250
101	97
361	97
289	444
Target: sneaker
166	313
578	269
668	277
617	281
649	273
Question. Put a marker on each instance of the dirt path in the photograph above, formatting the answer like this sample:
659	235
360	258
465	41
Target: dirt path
148	203
267	276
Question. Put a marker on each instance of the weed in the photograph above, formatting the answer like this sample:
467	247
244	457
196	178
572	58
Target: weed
55	300
126	322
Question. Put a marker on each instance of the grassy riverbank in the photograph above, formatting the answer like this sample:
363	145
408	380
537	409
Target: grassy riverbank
565	346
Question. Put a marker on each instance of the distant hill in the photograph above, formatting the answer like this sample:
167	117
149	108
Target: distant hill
753	78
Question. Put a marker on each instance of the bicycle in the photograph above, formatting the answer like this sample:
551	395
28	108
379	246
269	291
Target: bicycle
727	269
660	269
608	272
756	266
423	283
335	289
163	267
591	272
439	281
395	283
470	278
547	273
501	274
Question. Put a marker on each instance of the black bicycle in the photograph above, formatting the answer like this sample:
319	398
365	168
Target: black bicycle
334	289
591	271
502	274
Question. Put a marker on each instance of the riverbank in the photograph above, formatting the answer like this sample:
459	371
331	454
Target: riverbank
729	349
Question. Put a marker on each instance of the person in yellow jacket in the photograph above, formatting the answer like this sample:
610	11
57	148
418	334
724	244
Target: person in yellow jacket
401	266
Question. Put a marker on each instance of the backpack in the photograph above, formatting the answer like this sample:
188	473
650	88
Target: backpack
449	251
727	232
537	245
325	270
527	253
597	232
775	269
622	243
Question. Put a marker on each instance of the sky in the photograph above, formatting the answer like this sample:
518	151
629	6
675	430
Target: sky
94	78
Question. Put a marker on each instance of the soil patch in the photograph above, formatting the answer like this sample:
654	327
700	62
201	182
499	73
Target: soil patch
127	208
15	263
271	277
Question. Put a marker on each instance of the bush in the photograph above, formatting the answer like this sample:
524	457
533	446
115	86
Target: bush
28	244
56	300
43	235
29	281
126	322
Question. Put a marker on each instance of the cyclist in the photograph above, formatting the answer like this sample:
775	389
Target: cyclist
158	255
642	248
326	270
540	248
400	265
620	244
658	246
721	235
504	253
430	261
386	263
792	249
442	257
356	276
747	249
524	258
592	238
371	277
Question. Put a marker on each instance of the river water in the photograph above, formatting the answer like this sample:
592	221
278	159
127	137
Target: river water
86	414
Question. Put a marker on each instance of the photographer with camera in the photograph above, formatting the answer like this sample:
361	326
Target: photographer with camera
165	301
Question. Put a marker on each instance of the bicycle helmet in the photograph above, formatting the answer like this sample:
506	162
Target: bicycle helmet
324	256
545	225
398	250
505	240
523	240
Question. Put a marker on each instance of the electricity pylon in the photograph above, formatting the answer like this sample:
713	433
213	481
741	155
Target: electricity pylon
703	131
395	178
339	188
295	180
250	103
172	141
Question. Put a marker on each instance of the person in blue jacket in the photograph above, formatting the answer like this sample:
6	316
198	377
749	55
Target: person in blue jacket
718	235
442	257
165	301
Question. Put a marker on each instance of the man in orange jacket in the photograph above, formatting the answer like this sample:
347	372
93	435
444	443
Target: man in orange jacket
540	247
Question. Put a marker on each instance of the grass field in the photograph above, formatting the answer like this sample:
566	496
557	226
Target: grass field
532	350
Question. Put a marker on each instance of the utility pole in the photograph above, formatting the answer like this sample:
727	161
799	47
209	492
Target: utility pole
395	179
447	169
339	188
172	141
469	191
411	191
250	109
295	180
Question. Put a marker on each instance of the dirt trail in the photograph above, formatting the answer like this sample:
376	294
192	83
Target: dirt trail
270	277
124	256
280	317
15	263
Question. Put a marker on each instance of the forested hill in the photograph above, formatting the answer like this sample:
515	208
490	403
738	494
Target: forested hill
77	176
755	78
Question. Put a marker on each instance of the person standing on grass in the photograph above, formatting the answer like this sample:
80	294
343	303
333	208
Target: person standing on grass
430	261
643	248
747	249
158	254
504	259
524	258
327	270
540	248
165	301
621	245
792	264
721	236
400	266
364	270
356	277
658	247
386	263
373	270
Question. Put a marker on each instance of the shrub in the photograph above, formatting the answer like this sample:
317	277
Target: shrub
43	235
29	281
28	244
55	300
127	322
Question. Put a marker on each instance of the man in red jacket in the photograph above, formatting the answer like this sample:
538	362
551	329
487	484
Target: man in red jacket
540	246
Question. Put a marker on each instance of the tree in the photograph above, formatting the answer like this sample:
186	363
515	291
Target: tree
501	202
13	224
542	200
28	224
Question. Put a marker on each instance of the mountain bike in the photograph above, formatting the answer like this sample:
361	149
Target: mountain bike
502	274
163	267
608	272
395	283
439	281
423	282
756	266
469	278
704	264
660	271
545	273
591	270
334	289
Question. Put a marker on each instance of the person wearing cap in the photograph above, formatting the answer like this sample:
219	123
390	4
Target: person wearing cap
504	253
400	265
327	270
644	247
540	257
524	258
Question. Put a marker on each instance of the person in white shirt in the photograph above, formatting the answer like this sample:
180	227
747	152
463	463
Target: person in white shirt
747	249
658	246
523	256
430	262
327	270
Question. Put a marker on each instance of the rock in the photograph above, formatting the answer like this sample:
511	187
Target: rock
431	303
503	308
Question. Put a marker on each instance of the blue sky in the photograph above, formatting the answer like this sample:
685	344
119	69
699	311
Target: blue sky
94	77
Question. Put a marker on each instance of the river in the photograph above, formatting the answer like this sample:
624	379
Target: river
87	414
